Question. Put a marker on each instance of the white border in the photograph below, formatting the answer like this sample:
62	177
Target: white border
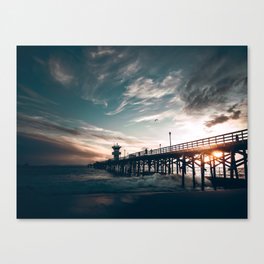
203	22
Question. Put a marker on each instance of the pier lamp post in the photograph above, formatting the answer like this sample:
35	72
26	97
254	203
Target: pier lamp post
170	139
124	153
160	147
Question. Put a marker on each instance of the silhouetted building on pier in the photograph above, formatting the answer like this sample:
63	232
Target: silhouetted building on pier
116	151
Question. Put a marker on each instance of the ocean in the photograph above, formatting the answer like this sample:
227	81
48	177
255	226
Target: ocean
82	192
84	180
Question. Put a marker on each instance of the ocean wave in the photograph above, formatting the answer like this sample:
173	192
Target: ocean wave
93	181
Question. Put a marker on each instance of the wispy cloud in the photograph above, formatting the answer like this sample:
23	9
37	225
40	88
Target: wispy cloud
146	91
103	71
77	134
156	117
119	109
41	124
54	150
34	96
38	60
128	70
59	73
101	52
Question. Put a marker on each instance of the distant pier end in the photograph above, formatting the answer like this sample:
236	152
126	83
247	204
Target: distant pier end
116	153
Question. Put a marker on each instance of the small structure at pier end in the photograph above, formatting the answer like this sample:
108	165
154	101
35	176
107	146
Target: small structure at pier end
116	151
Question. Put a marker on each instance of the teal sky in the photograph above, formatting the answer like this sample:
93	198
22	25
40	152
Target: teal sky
73	103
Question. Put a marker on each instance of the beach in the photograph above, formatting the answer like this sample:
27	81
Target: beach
193	204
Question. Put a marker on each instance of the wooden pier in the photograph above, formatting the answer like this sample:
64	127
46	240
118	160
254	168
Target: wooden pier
228	151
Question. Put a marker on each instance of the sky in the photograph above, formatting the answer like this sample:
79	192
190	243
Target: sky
75	102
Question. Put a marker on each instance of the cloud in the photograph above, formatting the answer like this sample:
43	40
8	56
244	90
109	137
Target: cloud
101	52
59	72
34	96
129	69
144	88
219	119
80	140
38	60
105	69
43	150
107	137
39	123
119	109
99	102
219	78
82	131
152	118
145	91
146	118
236	114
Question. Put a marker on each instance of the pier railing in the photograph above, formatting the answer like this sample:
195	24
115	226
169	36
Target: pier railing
209	142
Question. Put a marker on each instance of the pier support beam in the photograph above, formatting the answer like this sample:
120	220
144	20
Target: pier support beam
202	172
157	165
224	166
245	164
193	172
214	170
183	171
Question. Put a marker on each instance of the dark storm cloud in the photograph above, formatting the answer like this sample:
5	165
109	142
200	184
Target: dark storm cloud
39	149
235	114
219	77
